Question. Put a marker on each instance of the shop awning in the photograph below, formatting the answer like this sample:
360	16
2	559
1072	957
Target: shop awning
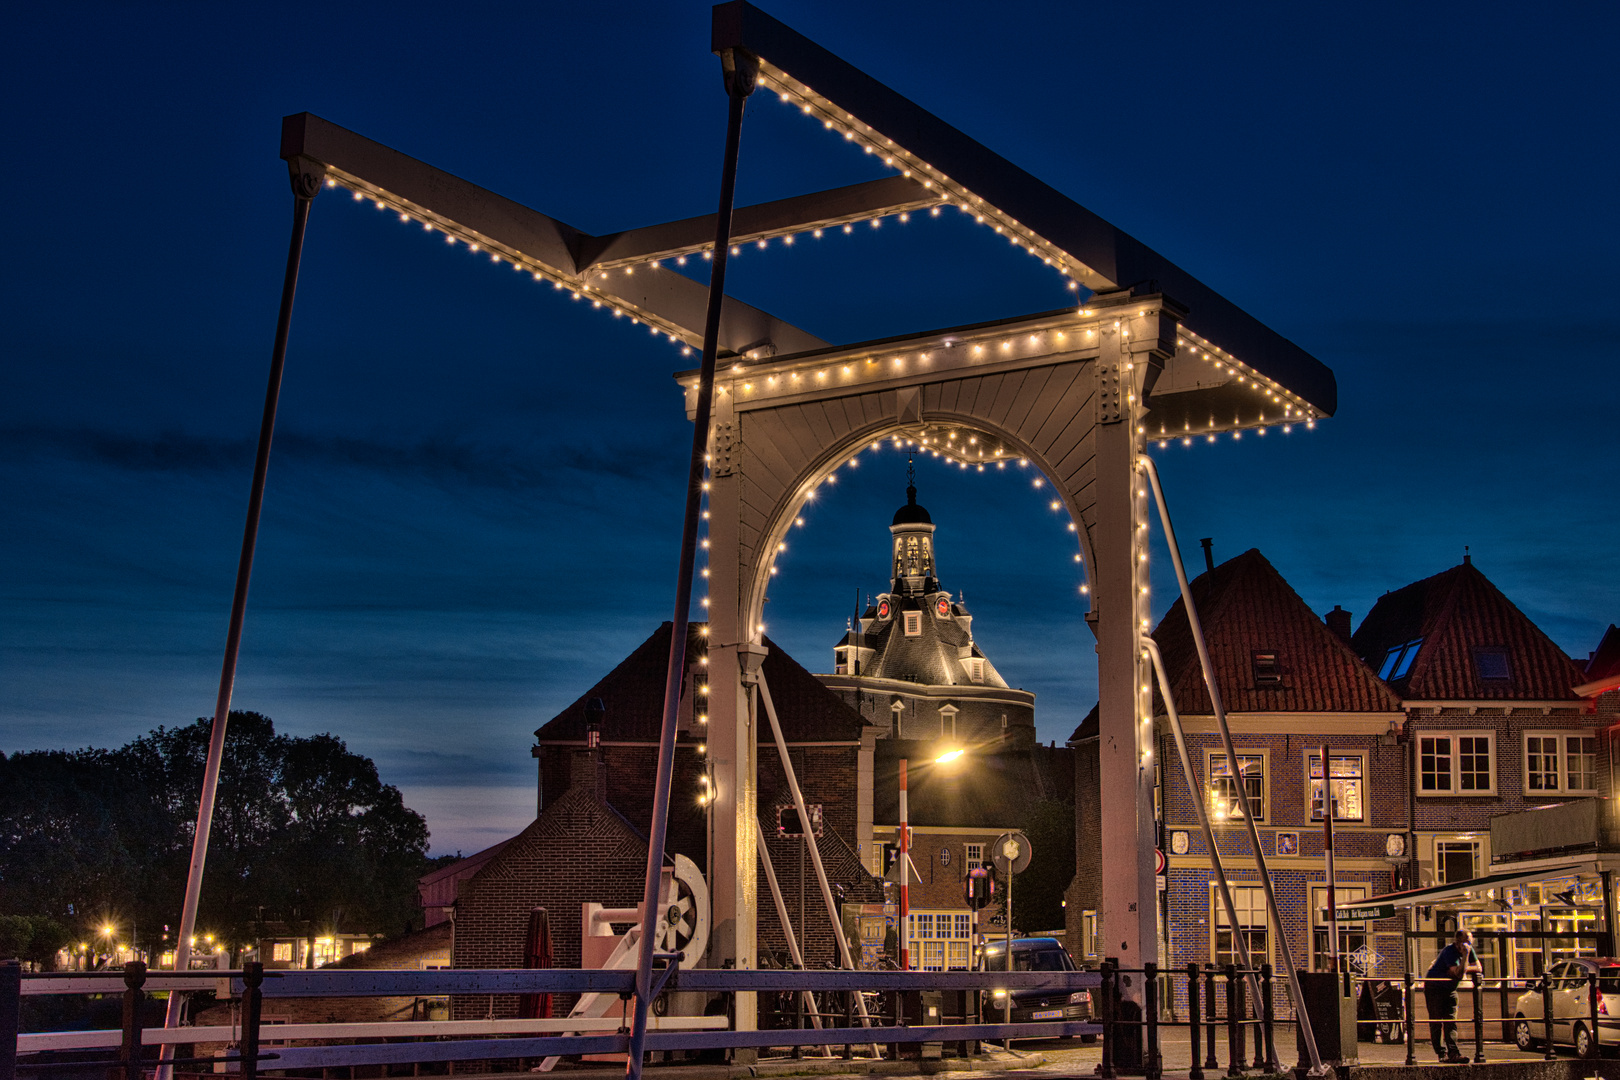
1382	907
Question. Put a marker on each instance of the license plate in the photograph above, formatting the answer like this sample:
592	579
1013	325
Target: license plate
1047	1014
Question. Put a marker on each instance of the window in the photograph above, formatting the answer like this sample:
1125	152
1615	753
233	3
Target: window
1560	761
1492	665
975	669
1345	773
1267	669
973	856
1352	935
913	623
281	952
1456	763
1224	802
1455	860
1398	661
1250	902
1090	939
941	939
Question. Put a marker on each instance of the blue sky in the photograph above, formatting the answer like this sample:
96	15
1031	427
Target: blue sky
473	507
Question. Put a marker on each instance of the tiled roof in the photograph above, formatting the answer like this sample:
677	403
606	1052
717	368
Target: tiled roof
1245	608
1456	613
1605	660
985	789
633	695
1089	728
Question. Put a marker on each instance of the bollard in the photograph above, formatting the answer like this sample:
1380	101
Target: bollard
1194	1025
129	1054
1407	1013
1234	1033
252	1010
1592	1001
1547	1017
1209	1011
1150	1017
1106	992
10	1016
1479	1020
1267	1019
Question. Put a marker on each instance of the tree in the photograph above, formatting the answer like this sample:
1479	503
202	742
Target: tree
304	831
1038	895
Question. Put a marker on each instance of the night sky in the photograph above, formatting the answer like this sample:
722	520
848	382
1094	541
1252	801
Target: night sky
474	503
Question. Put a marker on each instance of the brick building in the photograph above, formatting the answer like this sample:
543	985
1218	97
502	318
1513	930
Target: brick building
588	842
1498	720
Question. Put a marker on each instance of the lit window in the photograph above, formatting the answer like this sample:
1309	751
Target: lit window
1251	912
1456	763
281	952
1346	775
1560	761
1225	803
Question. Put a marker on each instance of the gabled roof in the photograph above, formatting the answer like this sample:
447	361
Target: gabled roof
990	787
1604	662
1090	727
1454	614
633	695
1246	608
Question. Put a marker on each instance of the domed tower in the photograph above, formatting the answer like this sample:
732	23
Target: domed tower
910	663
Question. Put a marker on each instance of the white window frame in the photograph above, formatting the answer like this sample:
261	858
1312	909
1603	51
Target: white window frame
1344	896
1454	773
1455	842
1311	782
945	927
913	623
972	856
1251	905
1561	760
1222	813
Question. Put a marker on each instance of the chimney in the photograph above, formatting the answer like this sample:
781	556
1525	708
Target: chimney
1209	553
586	768
1338	621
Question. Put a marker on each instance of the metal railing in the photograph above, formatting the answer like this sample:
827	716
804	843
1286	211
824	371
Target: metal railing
559	1037
1516	1028
1132	1041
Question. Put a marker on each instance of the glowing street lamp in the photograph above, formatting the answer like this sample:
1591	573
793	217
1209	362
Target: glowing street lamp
905	858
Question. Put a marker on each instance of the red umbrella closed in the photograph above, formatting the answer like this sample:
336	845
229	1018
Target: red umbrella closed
536	954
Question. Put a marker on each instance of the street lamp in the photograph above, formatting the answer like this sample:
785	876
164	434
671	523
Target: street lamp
905	858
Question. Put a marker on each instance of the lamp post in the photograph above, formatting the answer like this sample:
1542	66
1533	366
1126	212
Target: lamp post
905	858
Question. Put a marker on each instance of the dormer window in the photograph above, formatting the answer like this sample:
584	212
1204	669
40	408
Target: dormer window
1398	661
1267	669
975	669
1492	665
913	623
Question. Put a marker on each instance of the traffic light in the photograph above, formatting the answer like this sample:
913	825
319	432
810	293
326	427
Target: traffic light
980	888
891	861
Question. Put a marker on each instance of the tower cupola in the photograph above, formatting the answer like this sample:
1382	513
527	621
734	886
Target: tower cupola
913	571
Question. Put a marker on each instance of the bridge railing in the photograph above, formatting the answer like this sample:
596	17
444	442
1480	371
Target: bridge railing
466	1040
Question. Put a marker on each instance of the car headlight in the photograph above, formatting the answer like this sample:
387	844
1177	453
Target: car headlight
1080	997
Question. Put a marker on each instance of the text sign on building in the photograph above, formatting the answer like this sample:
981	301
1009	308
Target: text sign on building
1358	914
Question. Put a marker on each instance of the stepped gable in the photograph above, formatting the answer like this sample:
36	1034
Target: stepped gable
1247	608
633	695
1455	614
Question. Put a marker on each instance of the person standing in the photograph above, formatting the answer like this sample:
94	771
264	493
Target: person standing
1440	993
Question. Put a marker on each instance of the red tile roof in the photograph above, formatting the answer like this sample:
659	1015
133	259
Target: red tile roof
1455	613
633	695
1245	608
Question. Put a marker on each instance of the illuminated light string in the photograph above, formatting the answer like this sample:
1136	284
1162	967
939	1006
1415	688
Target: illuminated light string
500	253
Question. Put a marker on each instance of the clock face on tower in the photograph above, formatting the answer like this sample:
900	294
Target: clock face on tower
883	609
944	606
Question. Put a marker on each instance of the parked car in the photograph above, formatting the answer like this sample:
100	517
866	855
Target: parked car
1035	954
1569	982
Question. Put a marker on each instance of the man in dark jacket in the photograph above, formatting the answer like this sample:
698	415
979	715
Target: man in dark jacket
1440	993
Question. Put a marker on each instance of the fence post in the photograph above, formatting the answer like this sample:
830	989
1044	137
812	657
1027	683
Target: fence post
1194	1022
129	1056
1106	992
1234	1033
1407	1013
10	1017
1268	1016
252	1009
1479	1018
1209	1011
1592	1011
1150	1010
